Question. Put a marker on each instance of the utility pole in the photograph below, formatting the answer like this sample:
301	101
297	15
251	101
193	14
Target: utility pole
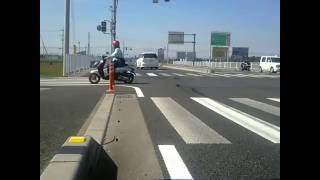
66	34
79	46
88	43
124	48
113	22
62	43
194	48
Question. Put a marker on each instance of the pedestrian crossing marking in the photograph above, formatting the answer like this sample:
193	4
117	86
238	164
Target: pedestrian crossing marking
151	74
256	125
258	105
191	129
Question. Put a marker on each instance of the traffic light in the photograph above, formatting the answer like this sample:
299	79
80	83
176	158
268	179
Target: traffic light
104	26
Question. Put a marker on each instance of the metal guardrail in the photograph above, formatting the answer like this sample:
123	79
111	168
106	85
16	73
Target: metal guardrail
76	63
217	65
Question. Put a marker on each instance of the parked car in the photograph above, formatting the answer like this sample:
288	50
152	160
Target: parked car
269	64
148	60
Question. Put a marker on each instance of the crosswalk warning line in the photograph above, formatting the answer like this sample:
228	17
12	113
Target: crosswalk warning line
174	163
151	74
191	129
258	105
256	125
137	74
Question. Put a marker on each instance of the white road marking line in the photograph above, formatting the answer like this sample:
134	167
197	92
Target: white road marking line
138	74
137	89
43	89
174	163
151	74
165	74
222	75
62	84
256	125
191	74
178	74
191	129
274	99
258	105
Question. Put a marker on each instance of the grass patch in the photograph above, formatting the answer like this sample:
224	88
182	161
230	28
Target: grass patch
51	68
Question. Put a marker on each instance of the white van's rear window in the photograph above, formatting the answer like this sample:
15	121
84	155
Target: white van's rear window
150	56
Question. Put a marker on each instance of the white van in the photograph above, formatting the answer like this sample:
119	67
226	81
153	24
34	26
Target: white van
148	60
269	64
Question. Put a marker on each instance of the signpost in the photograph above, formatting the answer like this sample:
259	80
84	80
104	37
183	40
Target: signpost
220	43
178	38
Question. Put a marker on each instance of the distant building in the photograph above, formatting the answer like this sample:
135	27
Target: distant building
161	54
181	55
185	55
240	53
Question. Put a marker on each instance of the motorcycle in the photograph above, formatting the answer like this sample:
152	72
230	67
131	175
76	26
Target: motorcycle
245	66
125	74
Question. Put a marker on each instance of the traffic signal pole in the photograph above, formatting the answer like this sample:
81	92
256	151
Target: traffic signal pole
66	34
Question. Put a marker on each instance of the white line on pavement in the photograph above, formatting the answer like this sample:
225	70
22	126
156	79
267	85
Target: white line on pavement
191	74
165	74
258	105
151	74
222	75
138	90
43	89
274	99
178	74
174	163
191	129
138	74
256	125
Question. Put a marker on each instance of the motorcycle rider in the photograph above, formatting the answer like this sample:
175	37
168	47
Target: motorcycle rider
117	58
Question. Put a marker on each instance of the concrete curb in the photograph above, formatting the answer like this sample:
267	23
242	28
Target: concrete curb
98	125
74	161
85	160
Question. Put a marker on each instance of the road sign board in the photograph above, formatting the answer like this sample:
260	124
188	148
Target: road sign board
220	39
176	38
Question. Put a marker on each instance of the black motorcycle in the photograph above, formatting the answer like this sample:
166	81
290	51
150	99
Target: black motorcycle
245	66
125	74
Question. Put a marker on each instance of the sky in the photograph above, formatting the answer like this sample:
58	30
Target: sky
143	25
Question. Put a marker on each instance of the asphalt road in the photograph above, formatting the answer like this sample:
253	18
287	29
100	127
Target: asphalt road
63	111
209	143
248	156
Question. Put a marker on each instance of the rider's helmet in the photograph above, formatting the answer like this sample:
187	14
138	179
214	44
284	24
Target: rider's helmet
116	43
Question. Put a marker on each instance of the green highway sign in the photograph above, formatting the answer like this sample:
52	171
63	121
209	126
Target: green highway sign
220	39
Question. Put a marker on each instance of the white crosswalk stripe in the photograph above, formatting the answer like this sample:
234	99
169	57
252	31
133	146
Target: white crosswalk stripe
191	129
174	163
258	105
178	74
165	74
151	74
227	75
264	129
274	99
